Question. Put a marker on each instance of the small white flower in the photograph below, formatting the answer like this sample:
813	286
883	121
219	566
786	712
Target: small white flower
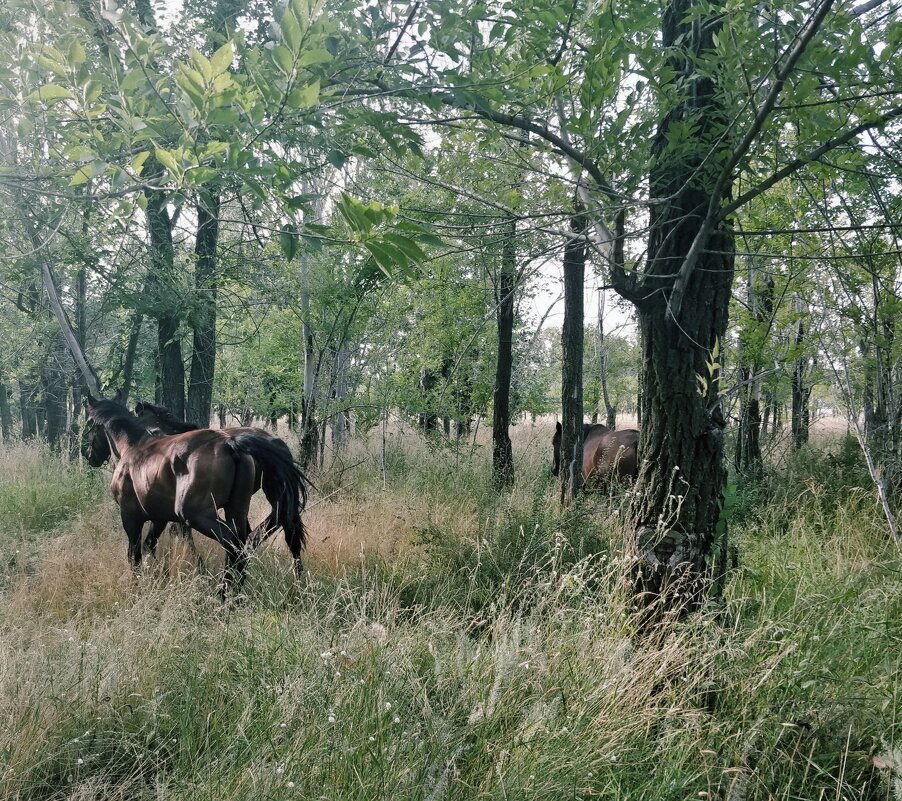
280	770
80	762
282	725
396	719
387	705
326	655
331	718
290	785
372	739
337	674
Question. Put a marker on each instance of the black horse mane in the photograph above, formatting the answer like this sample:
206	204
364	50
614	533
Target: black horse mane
165	418
113	416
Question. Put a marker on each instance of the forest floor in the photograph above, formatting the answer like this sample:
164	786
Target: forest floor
448	643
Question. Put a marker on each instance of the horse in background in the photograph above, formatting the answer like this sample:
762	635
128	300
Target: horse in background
188	477
607	454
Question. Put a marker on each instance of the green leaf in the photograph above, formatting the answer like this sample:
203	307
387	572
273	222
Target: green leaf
167	159
49	92
410	248
288	241
291	30
222	59
382	256
304	96
82	175
336	158
76	53
316	55
202	65
200	175
138	162
282	58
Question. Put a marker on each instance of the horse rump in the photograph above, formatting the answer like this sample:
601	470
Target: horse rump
283	484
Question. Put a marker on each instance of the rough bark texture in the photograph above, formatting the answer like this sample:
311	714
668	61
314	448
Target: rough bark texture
128	364
678	497
55	392
609	409
165	302
309	427
203	355
341	423
29	404
759	297
572	364
801	391
6	418
502	453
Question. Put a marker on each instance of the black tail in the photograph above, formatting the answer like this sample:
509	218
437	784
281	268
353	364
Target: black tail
284	485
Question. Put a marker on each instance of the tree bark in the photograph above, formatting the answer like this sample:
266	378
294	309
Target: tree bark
171	366
502	452
55	393
572	363
6	418
309	427
203	356
609	409
678	497
340	422
801	393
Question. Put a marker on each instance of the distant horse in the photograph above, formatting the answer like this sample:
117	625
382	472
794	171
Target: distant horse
188	477
160	420
606	454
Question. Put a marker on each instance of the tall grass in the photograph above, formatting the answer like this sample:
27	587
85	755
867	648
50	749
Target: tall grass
485	654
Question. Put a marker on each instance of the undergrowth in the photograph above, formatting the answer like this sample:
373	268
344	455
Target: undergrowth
491	657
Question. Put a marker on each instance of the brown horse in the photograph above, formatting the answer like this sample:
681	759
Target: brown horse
158	419
188	477
606	454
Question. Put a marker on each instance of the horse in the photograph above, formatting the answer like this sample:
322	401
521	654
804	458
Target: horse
607	454
188	477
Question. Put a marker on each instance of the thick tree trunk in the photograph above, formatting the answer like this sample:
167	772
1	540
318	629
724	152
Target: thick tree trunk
572	364
678	497
128	364
502	452
55	392
203	356
166	303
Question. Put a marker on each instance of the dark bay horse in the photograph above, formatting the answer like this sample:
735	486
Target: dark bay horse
159	419
606	454
188	477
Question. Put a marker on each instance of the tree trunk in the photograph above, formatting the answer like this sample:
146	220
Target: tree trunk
801	415
56	395
203	355
678	497
340	422
502	452
29	404
6	418
572	364
309	427
165	302
428	419
128	365
609	409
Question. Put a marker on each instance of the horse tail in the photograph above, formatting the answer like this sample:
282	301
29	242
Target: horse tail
283	483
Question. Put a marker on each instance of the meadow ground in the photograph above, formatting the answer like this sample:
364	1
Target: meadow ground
447	644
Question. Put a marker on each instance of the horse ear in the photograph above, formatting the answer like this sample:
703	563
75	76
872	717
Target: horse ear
139	407
119	396
91	399
558	427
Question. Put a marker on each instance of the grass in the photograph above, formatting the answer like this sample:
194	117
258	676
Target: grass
452	645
